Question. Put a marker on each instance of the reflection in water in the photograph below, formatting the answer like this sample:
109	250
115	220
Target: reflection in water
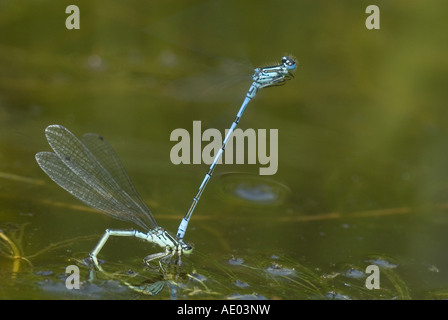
252	189
258	193
11	246
152	288
253	296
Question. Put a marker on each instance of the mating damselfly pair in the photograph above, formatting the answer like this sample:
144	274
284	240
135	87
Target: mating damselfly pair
90	170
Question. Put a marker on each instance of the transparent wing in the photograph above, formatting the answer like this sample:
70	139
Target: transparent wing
76	169
52	165
106	156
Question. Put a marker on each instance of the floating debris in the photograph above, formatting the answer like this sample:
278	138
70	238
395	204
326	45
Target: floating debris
278	270
337	296
44	273
241	284
235	261
354	273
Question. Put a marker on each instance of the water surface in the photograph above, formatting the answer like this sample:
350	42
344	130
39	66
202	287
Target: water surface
362	176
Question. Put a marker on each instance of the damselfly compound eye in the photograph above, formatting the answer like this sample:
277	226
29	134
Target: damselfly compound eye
289	63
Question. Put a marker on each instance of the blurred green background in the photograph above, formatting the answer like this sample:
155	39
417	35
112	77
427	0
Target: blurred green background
363	146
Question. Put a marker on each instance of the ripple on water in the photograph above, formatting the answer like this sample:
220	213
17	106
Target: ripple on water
252	189
382	261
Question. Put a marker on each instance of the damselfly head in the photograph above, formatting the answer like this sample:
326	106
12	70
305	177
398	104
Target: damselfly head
289	62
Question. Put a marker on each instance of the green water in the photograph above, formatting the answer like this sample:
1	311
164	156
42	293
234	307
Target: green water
362	147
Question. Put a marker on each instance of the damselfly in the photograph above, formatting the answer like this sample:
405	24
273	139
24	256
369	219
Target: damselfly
90	170
263	77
